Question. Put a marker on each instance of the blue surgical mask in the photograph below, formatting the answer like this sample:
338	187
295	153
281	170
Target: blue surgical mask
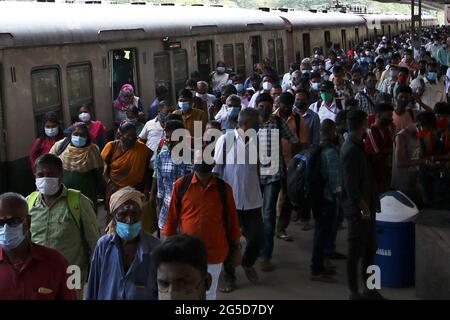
432	76
11	236
239	87
183	105
306	71
78	141
315	86
128	231
163	117
51	132
232	112
316	68
194	93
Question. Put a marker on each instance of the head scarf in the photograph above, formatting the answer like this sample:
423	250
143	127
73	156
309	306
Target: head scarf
117	199
125	98
123	195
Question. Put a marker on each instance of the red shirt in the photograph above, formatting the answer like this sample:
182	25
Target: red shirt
39	148
379	147
202	216
42	276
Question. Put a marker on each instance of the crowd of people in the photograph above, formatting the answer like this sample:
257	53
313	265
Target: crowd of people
369	120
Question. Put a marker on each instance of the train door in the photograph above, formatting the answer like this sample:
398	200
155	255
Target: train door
306	45
205	58
256	49
389	31
357	35
240	59
123	70
344	39
271	52
3	176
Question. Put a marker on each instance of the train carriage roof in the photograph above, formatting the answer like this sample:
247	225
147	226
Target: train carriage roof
36	24
306	19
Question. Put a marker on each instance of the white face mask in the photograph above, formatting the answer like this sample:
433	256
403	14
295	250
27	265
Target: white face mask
85	117
51	132
267	86
202	96
48	186
11	236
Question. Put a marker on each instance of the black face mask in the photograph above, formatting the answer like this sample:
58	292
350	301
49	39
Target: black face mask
402	104
265	112
285	112
129	143
385	122
301	105
203	167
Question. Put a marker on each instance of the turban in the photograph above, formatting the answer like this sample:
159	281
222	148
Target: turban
123	195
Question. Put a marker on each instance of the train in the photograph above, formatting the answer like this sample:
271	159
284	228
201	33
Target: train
57	56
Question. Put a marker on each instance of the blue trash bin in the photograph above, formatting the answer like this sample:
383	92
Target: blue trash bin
395	254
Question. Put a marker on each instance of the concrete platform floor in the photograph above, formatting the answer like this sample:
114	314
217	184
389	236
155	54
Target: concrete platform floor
290	279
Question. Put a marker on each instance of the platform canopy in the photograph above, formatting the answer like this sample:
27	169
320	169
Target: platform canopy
431	4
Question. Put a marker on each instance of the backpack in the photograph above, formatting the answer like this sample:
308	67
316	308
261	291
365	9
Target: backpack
185	183
304	179
73	202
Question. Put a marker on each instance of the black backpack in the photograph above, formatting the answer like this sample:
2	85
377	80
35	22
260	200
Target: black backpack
304	178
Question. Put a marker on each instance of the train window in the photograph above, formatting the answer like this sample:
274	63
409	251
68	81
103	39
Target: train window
228	56
123	70
280	56
240	59
46	93
180	69
271	51
344	39
79	86
205	58
357	35
256	49
306	45
162	71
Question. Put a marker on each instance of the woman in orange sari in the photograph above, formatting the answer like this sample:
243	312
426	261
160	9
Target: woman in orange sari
127	162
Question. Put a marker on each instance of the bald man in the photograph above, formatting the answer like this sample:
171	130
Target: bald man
121	267
28	271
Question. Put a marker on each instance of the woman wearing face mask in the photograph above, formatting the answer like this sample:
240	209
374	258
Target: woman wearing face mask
82	163
123	102
126	162
50	133
97	130
133	117
266	86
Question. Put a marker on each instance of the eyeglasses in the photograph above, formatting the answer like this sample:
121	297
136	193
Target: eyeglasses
11	222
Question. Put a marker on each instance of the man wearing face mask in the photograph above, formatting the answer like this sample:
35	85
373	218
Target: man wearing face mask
343	87
357	81
28	271
238	83
442	54
126	162
326	107
233	107
409	62
121	267
61	218
227	91
181	262
189	114
379	146
266	86
403	115
430	90
311	119
202	93
287	78
370	96
219	78
270	155
153	130
203	206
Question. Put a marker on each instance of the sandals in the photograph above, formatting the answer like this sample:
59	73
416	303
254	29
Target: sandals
227	285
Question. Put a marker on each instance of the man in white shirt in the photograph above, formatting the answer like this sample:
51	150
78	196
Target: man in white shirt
267	84
153	130
327	107
236	163
286	83
430	89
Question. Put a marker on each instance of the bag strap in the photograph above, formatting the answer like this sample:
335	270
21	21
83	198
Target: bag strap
297	123
31	199
221	187
185	183
63	146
